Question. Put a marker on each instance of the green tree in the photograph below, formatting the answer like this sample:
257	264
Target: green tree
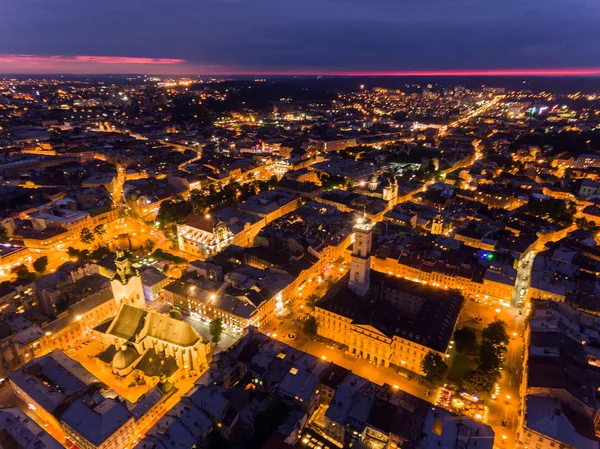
173	211
496	333
434	367
311	326
465	340
87	236
22	272
100	231
489	356
40	264
216	329
476	381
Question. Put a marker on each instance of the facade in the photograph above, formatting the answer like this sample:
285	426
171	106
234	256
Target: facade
335	145
495	283
205	236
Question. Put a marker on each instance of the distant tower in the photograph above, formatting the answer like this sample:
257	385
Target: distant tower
390	192
360	266
127	284
437	226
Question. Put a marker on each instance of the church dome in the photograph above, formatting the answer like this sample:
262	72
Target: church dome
124	357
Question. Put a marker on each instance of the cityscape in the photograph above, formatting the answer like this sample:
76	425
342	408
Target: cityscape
327	224
298	262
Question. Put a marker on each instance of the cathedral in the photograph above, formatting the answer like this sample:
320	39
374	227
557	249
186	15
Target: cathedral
144	344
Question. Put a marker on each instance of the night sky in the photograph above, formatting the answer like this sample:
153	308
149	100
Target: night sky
296	36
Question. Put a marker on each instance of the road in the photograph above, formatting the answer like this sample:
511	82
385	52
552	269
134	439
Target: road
476	112
329	351
506	406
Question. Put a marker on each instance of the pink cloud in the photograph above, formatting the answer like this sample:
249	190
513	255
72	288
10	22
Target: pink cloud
54	59
87	64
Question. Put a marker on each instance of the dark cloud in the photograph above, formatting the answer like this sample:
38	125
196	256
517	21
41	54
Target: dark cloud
312	34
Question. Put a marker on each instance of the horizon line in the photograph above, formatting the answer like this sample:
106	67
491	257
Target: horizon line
546	72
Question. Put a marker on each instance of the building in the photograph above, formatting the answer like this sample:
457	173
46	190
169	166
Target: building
184	426
247	296
360	268
270	205
334	145
153	281
353	411
48	382
383	318
17	430
207	235
96	422
138	331
561	378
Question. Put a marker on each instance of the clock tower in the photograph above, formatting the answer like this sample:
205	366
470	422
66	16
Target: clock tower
360	266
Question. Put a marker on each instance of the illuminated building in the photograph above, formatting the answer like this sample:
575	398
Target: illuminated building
385	319
135	332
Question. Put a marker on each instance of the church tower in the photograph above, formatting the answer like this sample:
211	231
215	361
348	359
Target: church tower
390	192
360	266
437	225
127	284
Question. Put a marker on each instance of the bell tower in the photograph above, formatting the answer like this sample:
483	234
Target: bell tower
437	225
127	284
390	192
360	266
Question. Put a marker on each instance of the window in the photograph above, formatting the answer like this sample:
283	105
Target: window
356	276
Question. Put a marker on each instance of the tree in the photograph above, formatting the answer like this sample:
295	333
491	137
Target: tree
40	264
149	246
465	340
3	234
478	382
216	329
87	236
489	356
173	211
496	334
22	272
311	326
434	367
100	231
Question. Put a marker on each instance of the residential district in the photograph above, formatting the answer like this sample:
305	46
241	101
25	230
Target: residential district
258	263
